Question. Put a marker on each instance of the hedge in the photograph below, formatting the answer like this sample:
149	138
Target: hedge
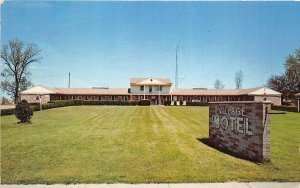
120	103
5	112
285	108
62	103
197	103
168	103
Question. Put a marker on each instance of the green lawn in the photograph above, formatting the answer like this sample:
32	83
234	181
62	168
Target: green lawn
135	144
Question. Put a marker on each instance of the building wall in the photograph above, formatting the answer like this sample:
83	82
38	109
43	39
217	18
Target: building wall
35	98
136	90
276	100
202	98
91	97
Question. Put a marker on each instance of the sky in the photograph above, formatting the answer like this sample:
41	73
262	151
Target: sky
107	43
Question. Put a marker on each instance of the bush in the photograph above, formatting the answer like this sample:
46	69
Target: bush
144	103
23	112
62	103
47	106
90	102
120	103
167	103
5	112
35	107
285	108
34	104
197	103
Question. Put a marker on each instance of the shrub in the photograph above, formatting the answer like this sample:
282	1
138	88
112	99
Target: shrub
197	103
144	103
34	104
24	112
47	106
120	103
285	108
5	112
35	107
167	103
133	103
62	103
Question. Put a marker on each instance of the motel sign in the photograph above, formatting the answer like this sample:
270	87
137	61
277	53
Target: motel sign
233	119
241	128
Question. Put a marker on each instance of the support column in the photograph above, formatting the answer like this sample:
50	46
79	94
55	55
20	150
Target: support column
40	97
159	103
144	92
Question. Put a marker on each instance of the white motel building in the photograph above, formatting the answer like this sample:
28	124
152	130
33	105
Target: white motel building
157	90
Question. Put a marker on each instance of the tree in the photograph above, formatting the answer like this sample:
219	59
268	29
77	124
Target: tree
219	84
279	83
5	100
288	83
16	58
292	71
24	112
238	79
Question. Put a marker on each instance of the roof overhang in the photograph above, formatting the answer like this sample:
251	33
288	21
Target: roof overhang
265	91
150	82
38	90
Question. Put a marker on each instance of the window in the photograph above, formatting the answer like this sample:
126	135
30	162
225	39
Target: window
150	89
160	88
142	88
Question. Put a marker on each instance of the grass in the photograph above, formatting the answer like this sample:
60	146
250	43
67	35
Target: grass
93	144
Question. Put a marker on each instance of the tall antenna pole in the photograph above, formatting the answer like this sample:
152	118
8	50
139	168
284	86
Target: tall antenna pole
176	71
69	81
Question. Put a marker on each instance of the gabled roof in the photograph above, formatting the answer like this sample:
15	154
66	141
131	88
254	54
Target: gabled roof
93	91
264	91
150	81
205	92
226	92
38	90
42	90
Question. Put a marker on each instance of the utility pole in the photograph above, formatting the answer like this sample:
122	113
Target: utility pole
69	81
176	71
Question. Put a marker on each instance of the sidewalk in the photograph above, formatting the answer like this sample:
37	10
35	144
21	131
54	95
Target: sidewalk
166	185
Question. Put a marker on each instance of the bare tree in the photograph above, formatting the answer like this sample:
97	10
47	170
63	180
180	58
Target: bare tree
16	59
238	79
219	84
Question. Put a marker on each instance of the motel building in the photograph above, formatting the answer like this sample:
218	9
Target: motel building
156	90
